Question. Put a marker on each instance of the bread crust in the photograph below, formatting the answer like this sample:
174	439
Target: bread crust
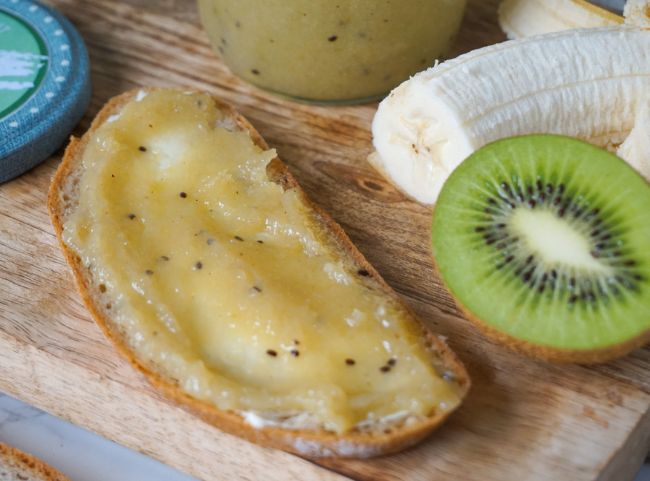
307	443
26	462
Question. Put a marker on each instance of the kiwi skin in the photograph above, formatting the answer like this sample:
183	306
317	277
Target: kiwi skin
538	351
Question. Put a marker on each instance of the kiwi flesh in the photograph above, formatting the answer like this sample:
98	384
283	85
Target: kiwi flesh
544	241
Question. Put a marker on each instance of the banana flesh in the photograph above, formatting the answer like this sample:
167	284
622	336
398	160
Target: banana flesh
637	13
636	148
525	18
585	84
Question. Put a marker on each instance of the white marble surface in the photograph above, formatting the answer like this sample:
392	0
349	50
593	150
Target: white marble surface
84	456
80	454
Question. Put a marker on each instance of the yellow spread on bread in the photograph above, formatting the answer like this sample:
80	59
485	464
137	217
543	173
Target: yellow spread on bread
223	281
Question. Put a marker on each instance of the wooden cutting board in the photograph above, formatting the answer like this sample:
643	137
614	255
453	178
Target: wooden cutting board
523	420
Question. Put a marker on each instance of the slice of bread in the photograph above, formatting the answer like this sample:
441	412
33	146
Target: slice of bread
371	439
16	465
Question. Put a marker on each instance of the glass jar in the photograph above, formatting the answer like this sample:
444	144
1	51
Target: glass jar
329	50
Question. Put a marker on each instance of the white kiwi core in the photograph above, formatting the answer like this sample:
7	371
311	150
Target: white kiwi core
556	241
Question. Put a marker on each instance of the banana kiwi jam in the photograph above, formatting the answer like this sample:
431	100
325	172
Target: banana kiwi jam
545	239
224	281
330	50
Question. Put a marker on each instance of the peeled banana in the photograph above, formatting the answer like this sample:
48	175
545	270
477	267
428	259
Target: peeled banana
525	18
636	148
637	13
582	83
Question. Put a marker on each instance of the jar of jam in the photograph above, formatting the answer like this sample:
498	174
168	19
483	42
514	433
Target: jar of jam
328	50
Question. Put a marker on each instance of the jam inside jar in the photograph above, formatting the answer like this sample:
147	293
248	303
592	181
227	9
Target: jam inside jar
327	50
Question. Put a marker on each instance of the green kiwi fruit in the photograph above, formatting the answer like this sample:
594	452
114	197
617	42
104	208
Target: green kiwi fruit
544	241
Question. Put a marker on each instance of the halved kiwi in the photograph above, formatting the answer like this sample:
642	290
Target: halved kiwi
544	241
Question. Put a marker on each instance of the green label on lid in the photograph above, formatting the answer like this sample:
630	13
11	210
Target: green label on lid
23	62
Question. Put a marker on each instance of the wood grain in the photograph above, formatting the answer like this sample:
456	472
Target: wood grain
523	420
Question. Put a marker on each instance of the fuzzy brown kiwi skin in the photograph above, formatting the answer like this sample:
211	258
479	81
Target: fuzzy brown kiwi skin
540	351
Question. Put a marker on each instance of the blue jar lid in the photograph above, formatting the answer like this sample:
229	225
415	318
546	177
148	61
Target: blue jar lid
44	83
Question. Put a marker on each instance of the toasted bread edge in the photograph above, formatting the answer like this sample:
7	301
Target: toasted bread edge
27	462
307	443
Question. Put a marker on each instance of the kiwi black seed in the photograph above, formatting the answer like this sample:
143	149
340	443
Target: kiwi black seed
545	241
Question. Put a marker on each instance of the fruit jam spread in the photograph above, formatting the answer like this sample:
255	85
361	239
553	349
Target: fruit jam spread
221	279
